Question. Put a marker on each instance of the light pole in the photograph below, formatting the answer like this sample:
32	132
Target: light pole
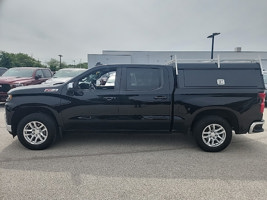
212	44
60	61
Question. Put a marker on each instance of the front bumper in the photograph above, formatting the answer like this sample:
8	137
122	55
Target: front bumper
8	115
3	97
256	127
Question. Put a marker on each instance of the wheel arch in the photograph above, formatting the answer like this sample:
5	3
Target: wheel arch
228	115
21	112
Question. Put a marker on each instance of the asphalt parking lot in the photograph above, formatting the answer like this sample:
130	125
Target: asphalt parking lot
125	166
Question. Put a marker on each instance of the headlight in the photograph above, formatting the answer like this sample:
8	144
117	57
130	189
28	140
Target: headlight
9	97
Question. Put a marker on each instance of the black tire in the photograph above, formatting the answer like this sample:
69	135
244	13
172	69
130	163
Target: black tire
212	134
37	131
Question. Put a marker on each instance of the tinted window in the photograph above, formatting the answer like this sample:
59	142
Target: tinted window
19	72
39	73
99	79
107	79
143	78
47	73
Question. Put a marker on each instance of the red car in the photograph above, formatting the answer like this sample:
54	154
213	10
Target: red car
21	76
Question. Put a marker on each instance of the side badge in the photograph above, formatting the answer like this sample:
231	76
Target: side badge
50	90
220	82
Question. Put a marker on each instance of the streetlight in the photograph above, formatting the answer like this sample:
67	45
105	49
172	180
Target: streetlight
212	45
60	61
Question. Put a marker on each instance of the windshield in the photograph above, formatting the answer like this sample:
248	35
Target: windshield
19	72
68	73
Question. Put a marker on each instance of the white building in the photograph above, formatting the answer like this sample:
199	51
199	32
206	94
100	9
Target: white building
163	57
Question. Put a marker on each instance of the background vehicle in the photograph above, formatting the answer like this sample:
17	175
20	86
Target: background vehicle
2	70
22	76
208	100
63	75
265	83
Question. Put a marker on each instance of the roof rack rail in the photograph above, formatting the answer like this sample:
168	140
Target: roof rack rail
176	61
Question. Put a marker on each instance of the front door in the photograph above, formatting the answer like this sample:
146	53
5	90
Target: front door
93	102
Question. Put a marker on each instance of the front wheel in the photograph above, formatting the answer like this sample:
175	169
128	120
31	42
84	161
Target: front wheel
37	131
213	133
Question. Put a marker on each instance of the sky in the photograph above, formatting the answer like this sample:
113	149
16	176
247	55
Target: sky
75	28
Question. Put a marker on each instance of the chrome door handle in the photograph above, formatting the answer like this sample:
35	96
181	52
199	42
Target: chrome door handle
109	98
160	97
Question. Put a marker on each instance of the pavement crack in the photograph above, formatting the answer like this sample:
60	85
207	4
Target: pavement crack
5	160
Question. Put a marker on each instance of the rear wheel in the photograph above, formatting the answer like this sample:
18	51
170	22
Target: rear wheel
37	131
212	133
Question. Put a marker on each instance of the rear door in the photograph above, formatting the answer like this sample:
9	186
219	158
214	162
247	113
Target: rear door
145	98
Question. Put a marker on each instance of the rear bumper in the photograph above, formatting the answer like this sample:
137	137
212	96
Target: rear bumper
256	127
8	127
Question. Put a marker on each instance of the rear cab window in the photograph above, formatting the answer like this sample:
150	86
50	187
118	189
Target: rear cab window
143	78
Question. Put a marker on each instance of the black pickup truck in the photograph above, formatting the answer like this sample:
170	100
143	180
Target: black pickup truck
210	100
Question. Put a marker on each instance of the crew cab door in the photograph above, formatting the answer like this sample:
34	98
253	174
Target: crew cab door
145	98
92	103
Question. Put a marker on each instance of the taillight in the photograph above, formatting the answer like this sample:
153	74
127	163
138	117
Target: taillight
262	98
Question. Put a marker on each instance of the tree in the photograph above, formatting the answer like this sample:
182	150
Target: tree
23	60
5	60
9	60
82	65
54	64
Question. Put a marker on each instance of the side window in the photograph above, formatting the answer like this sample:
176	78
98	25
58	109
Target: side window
39	73
99	80
143	78
47	73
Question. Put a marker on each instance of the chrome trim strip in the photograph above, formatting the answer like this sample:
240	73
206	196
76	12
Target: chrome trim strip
252	126
8	127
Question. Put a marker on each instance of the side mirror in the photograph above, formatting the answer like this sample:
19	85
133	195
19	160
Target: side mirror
70	90
70	86
37	77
